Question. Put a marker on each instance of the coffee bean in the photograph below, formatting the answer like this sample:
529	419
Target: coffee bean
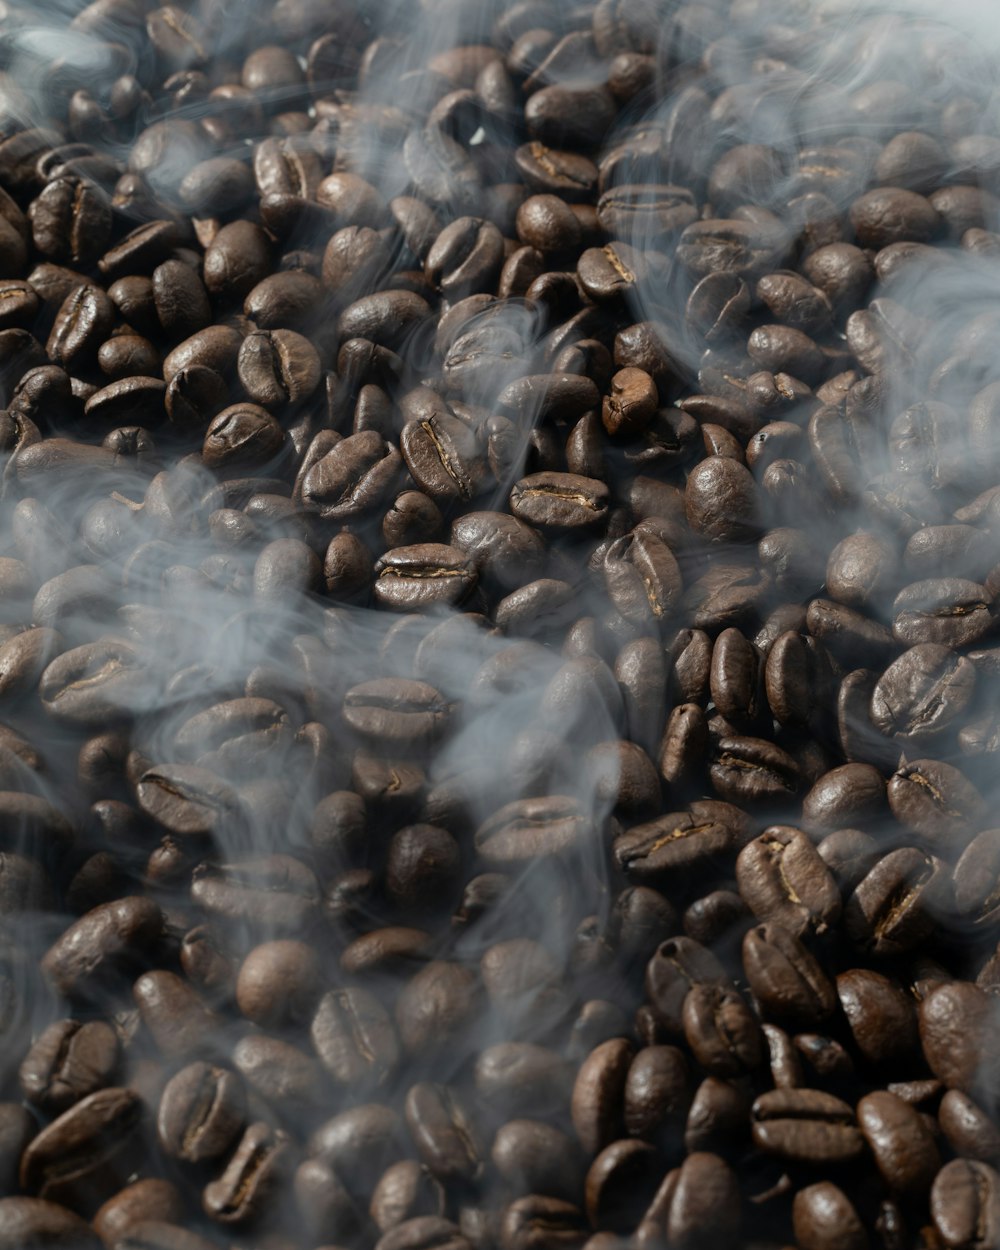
785	977
965	1202
86	1147
69	1061
807	1126
783	879
27	1221
250	1176
201	1113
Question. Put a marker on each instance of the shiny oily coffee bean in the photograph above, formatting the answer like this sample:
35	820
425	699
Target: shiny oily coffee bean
111	936
783	879
560	501
721	1031
87	1147
596	1107
396	711
444	1132
255	1170
785	977
903	1147
276	892
965	1204
950	612
937	802
881	1016
405	1191
36	1222
201	1113
278	367
355	1038
422	577
922	693
69	1060
753	770
806	1126
894	907
705	834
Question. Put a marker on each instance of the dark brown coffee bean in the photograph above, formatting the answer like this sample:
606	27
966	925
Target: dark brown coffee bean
965	1203
252	1174
540	1221
904	1149
807	1126
619	1185
948	611
436	1007
138	1203
850	795
278	367
937	802
69	1061
783	879
893	907
969	1131
956	1021
597	1108
33	1222
71	221
823	1217
422	577
529	829
83	322
881	1016
355	1039
201	1113
187	799
721	1031
444	1132
405	1191
351	477
720	501
172	1013
110	935
753	770
86	1148
679	840
521	1078
785	977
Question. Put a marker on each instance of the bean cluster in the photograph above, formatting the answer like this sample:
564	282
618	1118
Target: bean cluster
499	673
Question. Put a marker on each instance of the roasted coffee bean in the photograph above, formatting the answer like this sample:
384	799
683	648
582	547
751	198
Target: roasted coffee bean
903	1148
881	1017
84	1150
785	977
355	1039
721	1031
251	1175
422	577
201	1113
753	770
68	1061
806	1126
37	1222
783	879
443	1132
278	367
894	905
936	801
100	942
965	1203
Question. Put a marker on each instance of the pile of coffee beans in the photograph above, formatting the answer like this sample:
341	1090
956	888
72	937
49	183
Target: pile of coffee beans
499	667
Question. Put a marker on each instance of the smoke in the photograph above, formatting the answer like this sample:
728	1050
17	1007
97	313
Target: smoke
208	679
